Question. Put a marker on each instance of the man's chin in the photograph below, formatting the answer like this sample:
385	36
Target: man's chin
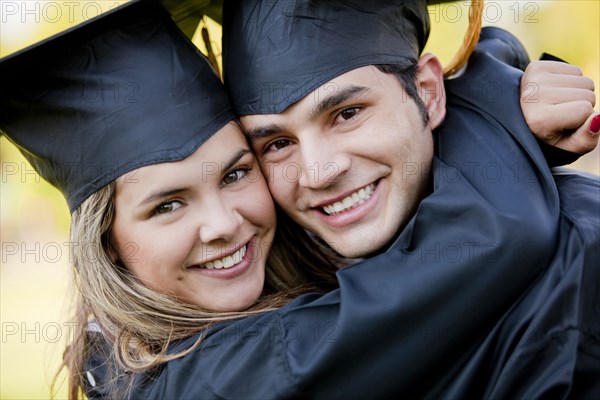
358	247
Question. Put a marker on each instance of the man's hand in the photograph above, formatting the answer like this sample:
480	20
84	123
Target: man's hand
558	104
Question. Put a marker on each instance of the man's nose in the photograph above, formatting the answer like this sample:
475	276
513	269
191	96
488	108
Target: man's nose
322	162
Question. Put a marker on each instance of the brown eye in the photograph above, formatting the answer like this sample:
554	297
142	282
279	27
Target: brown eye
348	113
278	144
234	176
166	207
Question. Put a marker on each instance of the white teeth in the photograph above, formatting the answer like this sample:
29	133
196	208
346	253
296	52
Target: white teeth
237	257
227	262
351	201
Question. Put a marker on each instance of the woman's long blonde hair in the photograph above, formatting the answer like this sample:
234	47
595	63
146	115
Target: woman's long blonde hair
139	323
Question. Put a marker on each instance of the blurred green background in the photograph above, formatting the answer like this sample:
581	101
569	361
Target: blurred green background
34	273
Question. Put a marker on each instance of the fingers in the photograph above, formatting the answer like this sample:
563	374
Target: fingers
550	121
563	81
583	140
557	95
594	127
570	115
556	74
553	67
558	104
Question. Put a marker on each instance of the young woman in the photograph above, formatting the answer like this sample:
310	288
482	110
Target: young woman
175	226
181	246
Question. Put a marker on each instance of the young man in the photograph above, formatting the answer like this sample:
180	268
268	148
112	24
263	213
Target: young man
340	111
314	136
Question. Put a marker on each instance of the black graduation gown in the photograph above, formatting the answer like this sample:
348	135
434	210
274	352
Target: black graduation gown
548	344
438	315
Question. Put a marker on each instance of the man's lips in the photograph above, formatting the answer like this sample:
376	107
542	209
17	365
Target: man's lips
347	200
354	212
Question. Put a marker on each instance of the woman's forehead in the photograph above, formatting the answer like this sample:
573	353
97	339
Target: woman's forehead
206	163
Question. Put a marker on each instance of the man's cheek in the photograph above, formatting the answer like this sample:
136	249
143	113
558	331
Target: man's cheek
269	171
283	194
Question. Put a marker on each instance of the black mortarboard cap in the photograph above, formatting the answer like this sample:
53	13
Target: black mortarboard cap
124	90
277	51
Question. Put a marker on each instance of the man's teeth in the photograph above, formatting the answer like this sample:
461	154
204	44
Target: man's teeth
227	262
351	201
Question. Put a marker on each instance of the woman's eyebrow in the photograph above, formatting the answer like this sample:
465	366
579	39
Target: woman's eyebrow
241	153
160	195
171	192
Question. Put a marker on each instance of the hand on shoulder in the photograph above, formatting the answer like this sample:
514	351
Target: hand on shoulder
558	104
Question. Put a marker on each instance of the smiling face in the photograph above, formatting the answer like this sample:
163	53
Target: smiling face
198	229
350	161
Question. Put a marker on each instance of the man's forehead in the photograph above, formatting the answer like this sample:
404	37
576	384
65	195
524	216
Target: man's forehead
349	85
268	69
368	77
311	107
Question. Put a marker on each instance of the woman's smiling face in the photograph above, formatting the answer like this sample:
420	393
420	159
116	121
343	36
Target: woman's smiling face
199	229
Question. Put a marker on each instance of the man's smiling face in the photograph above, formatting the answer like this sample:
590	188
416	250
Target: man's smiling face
350	161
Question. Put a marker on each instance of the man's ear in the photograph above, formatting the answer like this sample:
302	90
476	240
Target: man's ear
430	84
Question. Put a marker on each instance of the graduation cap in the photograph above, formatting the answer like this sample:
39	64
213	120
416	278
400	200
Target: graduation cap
275	52
124	90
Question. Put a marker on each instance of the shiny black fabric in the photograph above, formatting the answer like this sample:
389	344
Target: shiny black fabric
117	93
548	344
276	52
464	304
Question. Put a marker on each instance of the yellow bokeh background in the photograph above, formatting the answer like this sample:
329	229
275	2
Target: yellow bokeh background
34	273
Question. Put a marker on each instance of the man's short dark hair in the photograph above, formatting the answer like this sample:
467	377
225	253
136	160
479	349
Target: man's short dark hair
407	75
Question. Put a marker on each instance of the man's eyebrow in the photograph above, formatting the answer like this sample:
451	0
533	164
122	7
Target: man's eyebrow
327	103
262	131
337	98
171	192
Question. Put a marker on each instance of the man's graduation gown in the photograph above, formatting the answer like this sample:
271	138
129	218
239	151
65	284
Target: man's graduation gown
490	291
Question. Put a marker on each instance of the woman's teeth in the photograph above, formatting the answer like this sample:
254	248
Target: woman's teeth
351	201
227	262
